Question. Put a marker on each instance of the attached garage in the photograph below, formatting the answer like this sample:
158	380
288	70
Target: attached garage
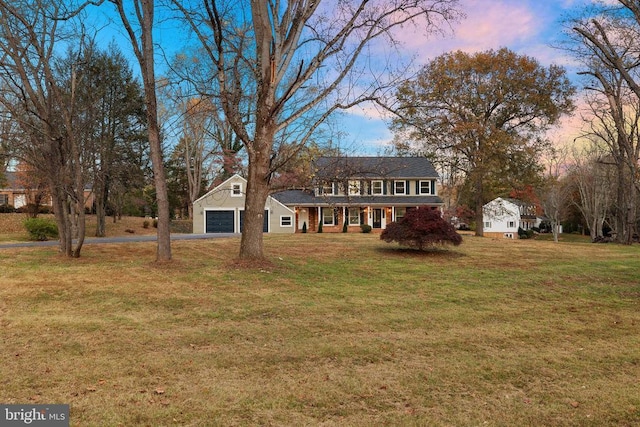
221	210
265	224
219	222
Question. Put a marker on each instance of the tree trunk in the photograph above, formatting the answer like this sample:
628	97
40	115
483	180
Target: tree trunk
479	202
256	198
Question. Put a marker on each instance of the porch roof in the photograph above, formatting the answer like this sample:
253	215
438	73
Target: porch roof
308	199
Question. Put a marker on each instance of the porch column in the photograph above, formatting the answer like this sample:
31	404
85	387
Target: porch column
344	216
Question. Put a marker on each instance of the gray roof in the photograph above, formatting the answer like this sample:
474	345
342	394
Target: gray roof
307	198
337	168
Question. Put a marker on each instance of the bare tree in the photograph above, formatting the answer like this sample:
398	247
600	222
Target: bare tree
556	191
607	43
139	27
41	97
285	63
592	178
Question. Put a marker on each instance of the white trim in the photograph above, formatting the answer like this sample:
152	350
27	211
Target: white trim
431	187
375	181
354	187
404	186
238	186
333	219
290	221
236	224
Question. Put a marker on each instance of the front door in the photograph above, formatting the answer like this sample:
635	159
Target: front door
377	218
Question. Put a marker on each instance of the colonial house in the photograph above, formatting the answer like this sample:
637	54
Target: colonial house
353	190
503	217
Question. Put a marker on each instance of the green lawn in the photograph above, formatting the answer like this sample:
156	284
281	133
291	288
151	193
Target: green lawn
339	329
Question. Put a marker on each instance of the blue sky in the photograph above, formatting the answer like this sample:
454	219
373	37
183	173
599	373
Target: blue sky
528	27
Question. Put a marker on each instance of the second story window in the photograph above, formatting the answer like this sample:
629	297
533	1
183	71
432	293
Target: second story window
399	187
327	189
376	188
426	187
354	188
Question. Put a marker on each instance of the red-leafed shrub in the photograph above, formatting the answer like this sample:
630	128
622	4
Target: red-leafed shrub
421	228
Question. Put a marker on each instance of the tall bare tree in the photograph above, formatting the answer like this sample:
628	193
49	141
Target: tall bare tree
291	64
41	97
607	42
139	26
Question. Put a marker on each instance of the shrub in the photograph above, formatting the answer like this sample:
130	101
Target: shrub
155	223
320	226
304	227
366	228
344	227
41	228
7	209
421	228
146	223
525	234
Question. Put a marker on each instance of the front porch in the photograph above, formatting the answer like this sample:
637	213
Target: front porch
334	218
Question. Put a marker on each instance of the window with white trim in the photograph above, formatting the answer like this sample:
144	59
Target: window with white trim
426	187
327	189
377	188
327	216
4	199
354	188
511	224
400	212
236	190
286	221
399	187
354	216
487	224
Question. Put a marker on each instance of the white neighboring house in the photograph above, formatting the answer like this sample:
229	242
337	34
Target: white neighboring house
503	217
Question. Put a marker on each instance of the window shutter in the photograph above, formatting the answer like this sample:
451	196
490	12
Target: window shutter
407	189
393	189
384	188
417	187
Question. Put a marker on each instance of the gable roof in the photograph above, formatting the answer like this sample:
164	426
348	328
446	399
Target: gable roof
332	168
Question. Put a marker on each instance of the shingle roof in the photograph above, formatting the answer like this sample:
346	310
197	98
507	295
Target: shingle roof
307	198
374	167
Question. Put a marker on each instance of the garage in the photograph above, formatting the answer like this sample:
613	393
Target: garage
265	225
219	222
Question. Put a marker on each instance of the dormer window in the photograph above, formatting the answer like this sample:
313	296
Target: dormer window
327	189
399	187
236	190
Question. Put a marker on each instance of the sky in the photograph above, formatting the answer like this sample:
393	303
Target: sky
528	27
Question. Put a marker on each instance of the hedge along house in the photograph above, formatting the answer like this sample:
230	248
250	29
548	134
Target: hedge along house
221	210
362	190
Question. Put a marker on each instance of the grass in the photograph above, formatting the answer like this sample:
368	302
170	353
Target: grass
340	329
12	227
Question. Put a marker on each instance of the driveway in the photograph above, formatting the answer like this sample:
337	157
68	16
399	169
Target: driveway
121	239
